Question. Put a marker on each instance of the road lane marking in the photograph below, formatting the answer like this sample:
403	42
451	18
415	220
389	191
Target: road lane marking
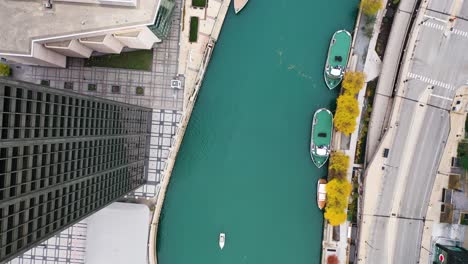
431	81
433	25
436	18
442	97
441	27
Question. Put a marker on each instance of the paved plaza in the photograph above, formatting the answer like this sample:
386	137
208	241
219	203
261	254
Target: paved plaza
117	84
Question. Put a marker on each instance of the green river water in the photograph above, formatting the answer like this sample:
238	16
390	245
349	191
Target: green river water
244	167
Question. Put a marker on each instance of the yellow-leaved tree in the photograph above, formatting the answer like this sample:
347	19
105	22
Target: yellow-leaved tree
338	166
335	217
371	7
353	82
338	191
347	110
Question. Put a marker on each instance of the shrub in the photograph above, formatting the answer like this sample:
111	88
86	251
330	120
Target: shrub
193	34
353	82
140	90
4	70
463	154
347	111
333	259
371	7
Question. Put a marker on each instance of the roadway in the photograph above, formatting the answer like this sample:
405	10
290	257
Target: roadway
398	187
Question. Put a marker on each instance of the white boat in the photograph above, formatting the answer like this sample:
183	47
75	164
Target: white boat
222	239
239	4
321	193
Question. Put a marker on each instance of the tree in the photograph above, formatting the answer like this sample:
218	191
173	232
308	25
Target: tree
346	112
371	7
345	123
338	191
340	188
333	259
335	217
353	82
4	70
339	161
347	103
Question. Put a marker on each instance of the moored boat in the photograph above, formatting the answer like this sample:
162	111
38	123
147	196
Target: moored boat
337	58
239	5
222	239
321	135
321	193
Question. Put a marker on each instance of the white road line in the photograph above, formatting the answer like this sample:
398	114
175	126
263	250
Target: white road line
442	97
440	27
431	81
435	18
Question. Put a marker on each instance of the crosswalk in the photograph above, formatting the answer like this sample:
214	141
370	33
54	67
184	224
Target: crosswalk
444	27
431	81
434	25
461	33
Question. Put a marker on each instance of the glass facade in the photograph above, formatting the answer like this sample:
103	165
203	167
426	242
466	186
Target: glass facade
162	23
62	157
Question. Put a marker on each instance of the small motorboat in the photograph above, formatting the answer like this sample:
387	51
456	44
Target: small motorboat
321	193
222	239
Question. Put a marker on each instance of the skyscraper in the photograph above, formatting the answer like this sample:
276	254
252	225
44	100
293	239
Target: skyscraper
63	156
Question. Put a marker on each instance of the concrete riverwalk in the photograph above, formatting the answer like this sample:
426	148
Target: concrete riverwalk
363	59
193	61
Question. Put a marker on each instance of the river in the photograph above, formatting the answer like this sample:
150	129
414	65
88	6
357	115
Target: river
244	166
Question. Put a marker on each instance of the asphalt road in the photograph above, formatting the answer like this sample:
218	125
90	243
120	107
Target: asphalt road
438	66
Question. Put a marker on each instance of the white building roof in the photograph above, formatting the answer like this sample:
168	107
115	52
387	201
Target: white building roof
28	20
118	234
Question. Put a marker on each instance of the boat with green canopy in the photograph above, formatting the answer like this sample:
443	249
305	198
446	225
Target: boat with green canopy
337	58
322	126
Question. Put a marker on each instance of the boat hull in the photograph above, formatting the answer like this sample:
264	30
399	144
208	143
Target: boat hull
321	193
337	58
322	129
239	5
222	240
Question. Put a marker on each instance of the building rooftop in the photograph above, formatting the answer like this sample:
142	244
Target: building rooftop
118	234
29	20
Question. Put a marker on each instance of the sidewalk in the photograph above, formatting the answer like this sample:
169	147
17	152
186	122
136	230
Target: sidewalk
363	47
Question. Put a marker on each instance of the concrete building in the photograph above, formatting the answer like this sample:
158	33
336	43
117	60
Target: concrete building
46	32
63	156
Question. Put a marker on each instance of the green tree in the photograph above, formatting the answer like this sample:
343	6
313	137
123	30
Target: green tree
4	70
371	7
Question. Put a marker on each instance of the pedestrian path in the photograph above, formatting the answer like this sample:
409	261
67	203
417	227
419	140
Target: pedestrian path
431	81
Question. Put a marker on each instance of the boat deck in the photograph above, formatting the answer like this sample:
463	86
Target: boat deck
324	125
340	48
